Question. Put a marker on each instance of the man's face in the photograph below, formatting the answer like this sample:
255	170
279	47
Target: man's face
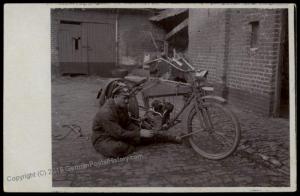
122	100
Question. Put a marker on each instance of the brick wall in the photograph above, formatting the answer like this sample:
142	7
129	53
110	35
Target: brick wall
54	45
220	42
206	40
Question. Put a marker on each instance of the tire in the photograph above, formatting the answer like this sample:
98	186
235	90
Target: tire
209	142
133	107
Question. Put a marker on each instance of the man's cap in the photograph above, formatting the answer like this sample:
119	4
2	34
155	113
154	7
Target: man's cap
121	88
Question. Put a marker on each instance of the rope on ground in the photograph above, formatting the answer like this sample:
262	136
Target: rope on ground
72	128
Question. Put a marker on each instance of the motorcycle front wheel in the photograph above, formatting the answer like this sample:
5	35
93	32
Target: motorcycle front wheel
215	130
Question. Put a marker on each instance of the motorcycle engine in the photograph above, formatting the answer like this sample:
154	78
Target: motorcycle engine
158	115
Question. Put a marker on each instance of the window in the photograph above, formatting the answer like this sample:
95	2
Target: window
254	34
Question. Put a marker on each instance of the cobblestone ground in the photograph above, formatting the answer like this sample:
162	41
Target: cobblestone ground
262	159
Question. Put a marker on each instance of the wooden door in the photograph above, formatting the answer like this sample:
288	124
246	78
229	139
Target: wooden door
100	48
72	54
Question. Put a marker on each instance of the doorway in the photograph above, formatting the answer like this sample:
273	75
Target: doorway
281	103
86	48
284	91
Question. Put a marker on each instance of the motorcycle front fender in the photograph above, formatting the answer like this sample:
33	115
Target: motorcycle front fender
214	98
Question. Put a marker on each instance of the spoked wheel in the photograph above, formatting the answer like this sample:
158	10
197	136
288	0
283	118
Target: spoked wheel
216	131
133	106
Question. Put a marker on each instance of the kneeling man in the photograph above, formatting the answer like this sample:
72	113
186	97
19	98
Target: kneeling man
114	133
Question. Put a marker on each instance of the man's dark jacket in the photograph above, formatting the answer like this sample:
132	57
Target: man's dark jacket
114	123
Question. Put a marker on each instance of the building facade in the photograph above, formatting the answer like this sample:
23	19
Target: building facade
244	50
246	53
96	41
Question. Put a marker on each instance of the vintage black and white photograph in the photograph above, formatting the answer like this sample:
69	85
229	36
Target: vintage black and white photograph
170	97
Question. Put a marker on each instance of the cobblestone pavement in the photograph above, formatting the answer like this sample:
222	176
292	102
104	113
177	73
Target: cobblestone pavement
262	159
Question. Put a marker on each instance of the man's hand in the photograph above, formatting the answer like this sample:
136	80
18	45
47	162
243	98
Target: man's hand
146	133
